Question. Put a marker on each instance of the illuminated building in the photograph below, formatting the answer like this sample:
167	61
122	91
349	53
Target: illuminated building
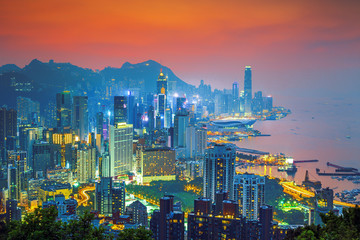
80	118
27	110
86	164
258	103
265	219
138	213
110	197
50	189
64	206
61	175
63	142
248	90
268	103
180	104
120	109
203	223
249	192
219	171
181	121
99	123
324	203
196	141
121	148
13	212
14	183
63	108
8	130
18	159
162	85
167	224
151	119
161	105
158	164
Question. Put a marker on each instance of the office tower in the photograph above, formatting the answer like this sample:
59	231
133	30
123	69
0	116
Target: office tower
266	218
168	118
99	123
42	159
8	129
63	109
158	164
181	121
258	103
14	183
110	197
190	141
268	103
13	212
138	213
200	142
63	143
86	164
249	192
248	90
27	109
50	115
161	107
18	159
121	148
167	224
80	118
120	109
162	84
219	171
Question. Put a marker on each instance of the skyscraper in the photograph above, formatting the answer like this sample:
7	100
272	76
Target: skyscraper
63	109
13	212
162	84
8	130
120	109
181	121
80	118
249	192
161	106
219	171
248	90
235	90
121	148
86	164
26	109
138	213
99	123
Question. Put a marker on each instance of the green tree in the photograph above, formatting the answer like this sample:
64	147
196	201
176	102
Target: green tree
135	234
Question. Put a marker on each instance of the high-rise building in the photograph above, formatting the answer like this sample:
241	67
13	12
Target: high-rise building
110	197
131	107
219	171
14	183
167	224
13	212
162	84
235	90
8	130
249	192
181	121
258	103
268	103
42	159
138	213
63	109
151	119
266	218
121	148
248	90
99	123
120	110
86	164
161	107
28	110
80	118
180	104
158	164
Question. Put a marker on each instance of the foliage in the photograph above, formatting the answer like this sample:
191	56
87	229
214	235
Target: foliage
135	234
346	226
42	224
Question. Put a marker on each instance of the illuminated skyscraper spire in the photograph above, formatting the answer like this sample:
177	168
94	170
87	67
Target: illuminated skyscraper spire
162	84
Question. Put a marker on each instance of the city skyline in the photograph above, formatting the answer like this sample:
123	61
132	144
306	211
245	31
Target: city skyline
308	42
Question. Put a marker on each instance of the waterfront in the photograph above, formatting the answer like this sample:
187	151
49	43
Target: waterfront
323	129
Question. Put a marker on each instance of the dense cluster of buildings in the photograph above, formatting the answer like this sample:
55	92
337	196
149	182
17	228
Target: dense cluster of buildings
139	137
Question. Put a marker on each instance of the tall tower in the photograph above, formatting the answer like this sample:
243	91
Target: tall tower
219	171
162	84
249	193
80	119
8	130
63	109
235	90
120	109
248	90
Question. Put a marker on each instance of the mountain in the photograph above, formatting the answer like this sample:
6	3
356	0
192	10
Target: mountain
41	81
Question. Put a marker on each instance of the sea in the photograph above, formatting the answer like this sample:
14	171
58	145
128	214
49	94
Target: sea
327	129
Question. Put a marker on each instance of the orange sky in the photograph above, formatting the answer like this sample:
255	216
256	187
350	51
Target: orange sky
198	39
